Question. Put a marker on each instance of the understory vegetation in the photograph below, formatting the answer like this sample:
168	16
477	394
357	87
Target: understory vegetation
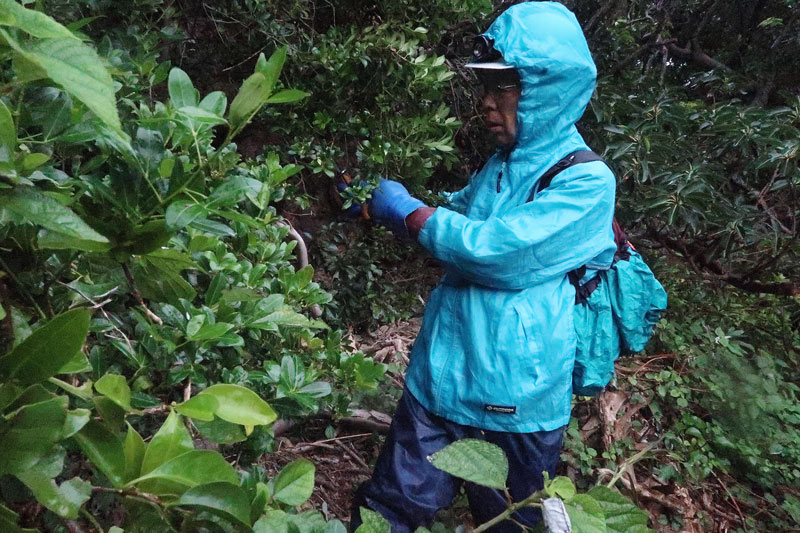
195	339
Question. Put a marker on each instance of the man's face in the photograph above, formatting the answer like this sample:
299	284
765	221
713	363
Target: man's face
500	99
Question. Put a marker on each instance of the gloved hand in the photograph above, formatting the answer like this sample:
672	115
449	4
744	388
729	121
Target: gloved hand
391	204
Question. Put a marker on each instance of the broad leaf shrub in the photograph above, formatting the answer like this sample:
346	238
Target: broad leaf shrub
600	510
146	273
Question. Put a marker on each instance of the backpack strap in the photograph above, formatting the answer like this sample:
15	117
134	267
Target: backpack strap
575	158
582	292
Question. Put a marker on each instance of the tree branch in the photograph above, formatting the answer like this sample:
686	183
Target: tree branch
694	254
693	52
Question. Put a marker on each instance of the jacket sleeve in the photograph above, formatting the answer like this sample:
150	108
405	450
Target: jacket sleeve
457	201
567	225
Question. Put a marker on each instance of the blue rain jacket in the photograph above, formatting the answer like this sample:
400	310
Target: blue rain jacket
497	345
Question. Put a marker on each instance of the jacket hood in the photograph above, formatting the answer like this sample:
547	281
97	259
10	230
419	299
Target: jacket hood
545	43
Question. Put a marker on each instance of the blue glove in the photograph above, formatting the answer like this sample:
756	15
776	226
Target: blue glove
391	204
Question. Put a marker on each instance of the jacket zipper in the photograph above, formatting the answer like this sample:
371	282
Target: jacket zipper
502	169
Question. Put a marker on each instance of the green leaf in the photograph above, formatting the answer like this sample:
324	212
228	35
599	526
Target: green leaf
372	522
240	405
84	391
585	514
104	450
28	205
474	460
158	276
220	432
271	68
134	449
181	91
171	440
287	96
78	69
563	487
621	514
260	501
30	21
215	102
47	349
75	421
199	408
52	240
33	160
115	388
8	137
192	468
29	434
295	482
113	415
79	363
200	116
64	500
251	96
181	213
225	499
211	331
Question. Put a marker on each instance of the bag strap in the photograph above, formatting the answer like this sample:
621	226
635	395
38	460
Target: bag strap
575	158
582	292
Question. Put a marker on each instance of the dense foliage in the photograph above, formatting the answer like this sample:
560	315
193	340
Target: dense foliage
152	303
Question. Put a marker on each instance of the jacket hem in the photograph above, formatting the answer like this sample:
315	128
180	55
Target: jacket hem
464	420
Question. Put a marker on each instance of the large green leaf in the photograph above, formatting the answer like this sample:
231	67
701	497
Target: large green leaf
181	90
75	421
192	468
295	482
47	349
271	68
225	499
585	514
134	448
78	69
214	102
621	514
171	440
181	213
79	363
372	522
65	500
220	431
562	486
28	205
115	388
240	405
8	138
29	434
287	96
474	460
158	276
199	407
30	21
104	450
251	96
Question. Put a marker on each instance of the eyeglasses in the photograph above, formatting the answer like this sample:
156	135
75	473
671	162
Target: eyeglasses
496	81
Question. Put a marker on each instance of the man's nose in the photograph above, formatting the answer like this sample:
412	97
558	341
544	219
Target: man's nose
488	102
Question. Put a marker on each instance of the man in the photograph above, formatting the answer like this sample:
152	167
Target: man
495	354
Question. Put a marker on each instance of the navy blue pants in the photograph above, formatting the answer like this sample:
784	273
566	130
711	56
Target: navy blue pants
408	490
